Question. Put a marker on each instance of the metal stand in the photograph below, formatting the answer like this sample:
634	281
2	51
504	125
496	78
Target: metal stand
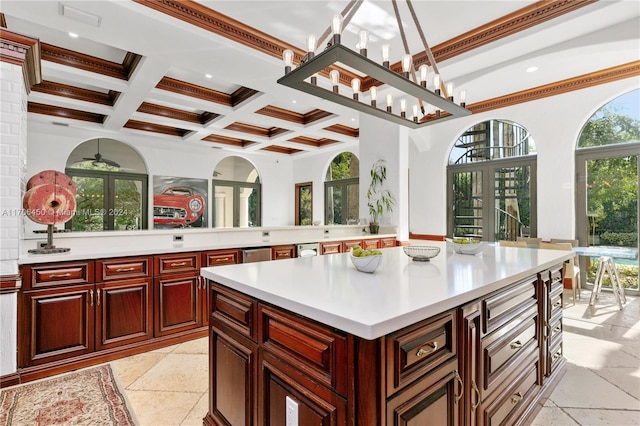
49	248
606	264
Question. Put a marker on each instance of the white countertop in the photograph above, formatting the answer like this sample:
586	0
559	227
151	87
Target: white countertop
401	292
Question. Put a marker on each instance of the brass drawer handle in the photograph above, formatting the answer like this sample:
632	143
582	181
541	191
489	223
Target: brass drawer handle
557	355
558	329
125	269
475	389
423	351
222	259
91	297
515	398
68	274
558	303
178	264
457	377
516	345
98	298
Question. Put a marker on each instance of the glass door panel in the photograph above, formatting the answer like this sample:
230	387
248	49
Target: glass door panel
467	204
91	214
352	203
334	205
304	213
612	213
512	202
127	212
223	207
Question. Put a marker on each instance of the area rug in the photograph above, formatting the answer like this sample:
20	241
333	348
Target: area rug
86	397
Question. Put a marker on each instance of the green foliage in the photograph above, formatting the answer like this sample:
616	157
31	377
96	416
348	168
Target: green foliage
624	239
344	166
608	127
379	199
628	275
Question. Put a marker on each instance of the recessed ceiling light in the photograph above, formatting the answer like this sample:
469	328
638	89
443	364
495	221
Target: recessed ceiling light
532	69
353	119
294	101
208	75
74	35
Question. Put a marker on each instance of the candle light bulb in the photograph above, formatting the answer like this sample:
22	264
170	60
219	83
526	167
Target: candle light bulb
403	108
406	65
374	95
450	91
389	102
311	43
363	35
415	113
355	85
334	75
287	57
424	69
336	24
384	50
463	98
436	83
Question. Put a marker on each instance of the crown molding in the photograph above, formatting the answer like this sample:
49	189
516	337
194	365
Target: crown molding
292	116
344	130
256	130
281	149
193	90
24	51
156	128
227	140
72	114
304	140
77	93
177	114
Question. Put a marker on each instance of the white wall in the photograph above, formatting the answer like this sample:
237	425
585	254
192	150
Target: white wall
555	124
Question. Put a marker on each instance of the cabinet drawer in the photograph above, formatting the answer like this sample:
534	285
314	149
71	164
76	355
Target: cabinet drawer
331	248
283	252
508	406
221	257
58	274
502	354
173	263
502	307
555	356
370	243
555	298
348	245
234	310
554	332
419	349
387	242
310	347
123	268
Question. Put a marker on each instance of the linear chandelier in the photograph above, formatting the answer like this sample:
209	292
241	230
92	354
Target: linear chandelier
413	86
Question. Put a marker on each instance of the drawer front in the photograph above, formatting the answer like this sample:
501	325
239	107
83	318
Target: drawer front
234	310
331	248
226	257
502	307
508	407
387	242
310	347
555	298
283	252
370	243
555	356
123	268
177	263
348	245
58	274
419	349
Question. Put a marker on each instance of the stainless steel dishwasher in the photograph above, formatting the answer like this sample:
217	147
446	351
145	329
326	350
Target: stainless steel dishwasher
257	254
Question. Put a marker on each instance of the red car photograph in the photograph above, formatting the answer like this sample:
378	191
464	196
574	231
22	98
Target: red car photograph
178	207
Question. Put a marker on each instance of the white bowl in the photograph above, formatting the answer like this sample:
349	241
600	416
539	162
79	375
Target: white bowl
366	263
470	248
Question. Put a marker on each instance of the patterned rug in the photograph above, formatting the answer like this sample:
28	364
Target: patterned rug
85	397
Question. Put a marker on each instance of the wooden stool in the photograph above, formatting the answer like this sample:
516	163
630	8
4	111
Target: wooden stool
606	264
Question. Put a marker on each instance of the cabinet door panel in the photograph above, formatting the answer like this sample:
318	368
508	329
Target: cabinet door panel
232	398
124	312
177	304
370	243
331	248
59	323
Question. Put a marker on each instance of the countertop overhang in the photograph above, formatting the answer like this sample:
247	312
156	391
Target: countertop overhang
401	292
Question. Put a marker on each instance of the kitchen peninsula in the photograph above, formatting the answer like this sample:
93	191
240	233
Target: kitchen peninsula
457	340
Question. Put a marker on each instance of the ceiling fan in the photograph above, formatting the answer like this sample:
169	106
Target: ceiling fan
98	159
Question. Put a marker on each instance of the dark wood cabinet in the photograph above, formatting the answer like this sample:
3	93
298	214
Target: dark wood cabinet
214	258
370	243
331	247
348	245
387	242
124	312
283	252
56	323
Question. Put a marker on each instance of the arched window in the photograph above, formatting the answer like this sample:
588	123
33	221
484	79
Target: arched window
111	179
237	192
492	183
607	184
341	189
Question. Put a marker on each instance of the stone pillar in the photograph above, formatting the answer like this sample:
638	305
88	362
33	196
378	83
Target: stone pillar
19	70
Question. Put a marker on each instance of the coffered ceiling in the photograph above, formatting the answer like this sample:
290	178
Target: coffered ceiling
205	72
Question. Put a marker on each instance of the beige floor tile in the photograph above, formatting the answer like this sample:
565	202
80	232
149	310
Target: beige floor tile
582	388
553	416
154	408
165	350
584	327
591	352
605	417
176	372
197	346
197	413
130	368
627	379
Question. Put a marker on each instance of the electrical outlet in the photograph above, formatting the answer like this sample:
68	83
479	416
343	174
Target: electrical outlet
178	238
41	244
292	412
265	234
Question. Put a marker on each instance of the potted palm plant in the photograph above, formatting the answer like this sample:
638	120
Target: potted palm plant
379	200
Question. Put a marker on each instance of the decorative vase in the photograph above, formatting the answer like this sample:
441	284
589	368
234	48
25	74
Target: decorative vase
374	227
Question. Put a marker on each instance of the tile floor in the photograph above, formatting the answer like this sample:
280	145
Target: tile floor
168	386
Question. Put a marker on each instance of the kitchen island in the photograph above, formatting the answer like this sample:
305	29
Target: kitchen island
457	340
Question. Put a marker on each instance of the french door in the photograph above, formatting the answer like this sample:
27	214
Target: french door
607	208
